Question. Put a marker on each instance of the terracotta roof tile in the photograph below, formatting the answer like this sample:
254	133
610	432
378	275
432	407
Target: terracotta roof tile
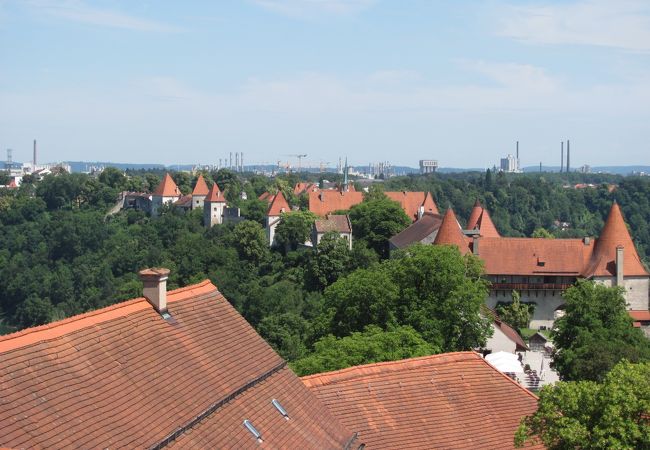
333	222
200	188
278	205
530	256
640	315
411	202
480	219
301	187
266	196
615	234
215	195
322	203
450	233
453	400
123	376
167	188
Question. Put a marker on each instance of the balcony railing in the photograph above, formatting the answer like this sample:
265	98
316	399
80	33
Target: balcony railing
530	286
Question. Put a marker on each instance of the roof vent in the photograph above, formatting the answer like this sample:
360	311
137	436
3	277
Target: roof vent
249	426
279	407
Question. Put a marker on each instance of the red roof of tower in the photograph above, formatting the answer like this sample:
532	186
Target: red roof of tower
480	219
278	205
215	195
266	196
200	188
452	400
125	377
450	233
615	234
167	187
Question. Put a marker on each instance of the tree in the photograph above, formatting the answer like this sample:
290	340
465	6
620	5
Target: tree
542	233
113	177
590	415
34	311
331	260
249	239
595	333
294	229
515	314
286	333
371	345
377	220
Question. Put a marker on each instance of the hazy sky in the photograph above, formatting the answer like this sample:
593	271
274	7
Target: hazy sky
396	80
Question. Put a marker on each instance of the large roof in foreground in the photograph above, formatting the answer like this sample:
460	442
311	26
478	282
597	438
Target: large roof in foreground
451	401
125	377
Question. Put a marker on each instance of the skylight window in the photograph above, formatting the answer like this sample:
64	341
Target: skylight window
249	426
279	407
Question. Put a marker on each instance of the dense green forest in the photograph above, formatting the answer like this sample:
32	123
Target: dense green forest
62	254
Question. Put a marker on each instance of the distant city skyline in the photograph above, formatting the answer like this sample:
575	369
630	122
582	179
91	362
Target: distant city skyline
189	82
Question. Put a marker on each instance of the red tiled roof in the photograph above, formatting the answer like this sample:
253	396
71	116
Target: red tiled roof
124	377
184	202
480	219
333	222
278	205
411	202
453	400
215	195
530	256
450	233
167	188
266	196
615	234
322	203
200	188
640	315
301	187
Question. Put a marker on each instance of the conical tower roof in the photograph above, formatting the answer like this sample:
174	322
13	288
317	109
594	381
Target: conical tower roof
200	188
450	233
278	205
215	195
480	219
615	234
167	187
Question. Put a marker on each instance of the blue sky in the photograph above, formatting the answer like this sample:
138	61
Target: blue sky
373	80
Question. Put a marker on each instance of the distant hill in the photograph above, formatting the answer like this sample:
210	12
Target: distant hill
616	170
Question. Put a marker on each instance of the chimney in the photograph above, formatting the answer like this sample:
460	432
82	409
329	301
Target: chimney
155	287
34	168
568	157
475	239
562	157
619	265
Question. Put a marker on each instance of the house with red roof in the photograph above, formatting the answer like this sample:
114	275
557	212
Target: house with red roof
415	204
277	206
167	192
333	223
199	192
179	368
541	269
214	207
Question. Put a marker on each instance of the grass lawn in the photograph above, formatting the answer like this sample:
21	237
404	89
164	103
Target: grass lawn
527	333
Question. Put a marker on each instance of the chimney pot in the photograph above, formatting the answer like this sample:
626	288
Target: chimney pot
155	287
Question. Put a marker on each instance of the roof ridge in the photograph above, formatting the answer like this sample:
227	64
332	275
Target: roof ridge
325	378
80	321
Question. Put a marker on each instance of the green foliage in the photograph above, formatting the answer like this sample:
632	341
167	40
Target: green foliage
542	233
433	289
595	333
377	220
333	259
371	345
515	314
591	415
294	229
113	177
249	239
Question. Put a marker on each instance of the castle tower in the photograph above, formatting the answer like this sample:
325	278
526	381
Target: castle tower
213	206
450	233
278	206
199	192
166	192
480	219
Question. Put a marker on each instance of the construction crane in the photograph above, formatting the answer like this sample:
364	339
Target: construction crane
300	157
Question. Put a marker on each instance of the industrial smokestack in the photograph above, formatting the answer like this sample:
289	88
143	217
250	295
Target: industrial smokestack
34	158
230	165
237	161
540	167
241	161
517	150
562	157
568	157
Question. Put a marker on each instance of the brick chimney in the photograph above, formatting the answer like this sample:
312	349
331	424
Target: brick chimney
619	265
475	240
155	287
